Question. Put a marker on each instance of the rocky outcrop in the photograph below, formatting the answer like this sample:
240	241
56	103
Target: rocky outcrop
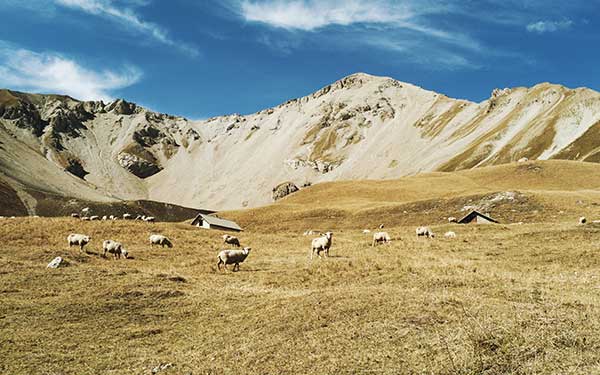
284	189
76	168
140	167
122	107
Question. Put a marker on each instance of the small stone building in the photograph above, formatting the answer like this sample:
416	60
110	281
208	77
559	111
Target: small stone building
212	222
476	217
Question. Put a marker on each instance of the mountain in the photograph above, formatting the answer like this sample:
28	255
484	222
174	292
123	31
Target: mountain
360	127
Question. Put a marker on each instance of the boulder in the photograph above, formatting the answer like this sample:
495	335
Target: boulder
284	189
56	262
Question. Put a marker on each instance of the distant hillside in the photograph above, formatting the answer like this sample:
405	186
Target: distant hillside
360	127
518	192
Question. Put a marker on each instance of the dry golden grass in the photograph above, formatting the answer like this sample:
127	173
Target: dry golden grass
500	299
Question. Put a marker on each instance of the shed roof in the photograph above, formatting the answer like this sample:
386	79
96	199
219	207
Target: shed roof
473	214
213	220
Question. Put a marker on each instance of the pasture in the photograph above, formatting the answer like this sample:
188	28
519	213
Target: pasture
499	299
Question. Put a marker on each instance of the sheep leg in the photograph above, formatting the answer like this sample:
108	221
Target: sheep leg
219	264
236	267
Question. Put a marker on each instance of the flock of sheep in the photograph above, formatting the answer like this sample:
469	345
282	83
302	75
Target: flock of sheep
320	244
148	219
114	247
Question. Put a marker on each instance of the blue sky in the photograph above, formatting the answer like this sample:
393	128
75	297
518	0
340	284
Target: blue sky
202	58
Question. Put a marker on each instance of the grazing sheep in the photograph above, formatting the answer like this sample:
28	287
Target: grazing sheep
425	232
234	257
582	220
452	219
158	239
381	237
115	248
140	217
74	215
85	218
366	231
231	240
86	210
94	217
149	219
450	234
127	217
78	239
104	218
322	243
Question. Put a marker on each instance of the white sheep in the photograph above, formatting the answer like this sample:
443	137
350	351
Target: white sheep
425	232
231	240
158	239
85	218
450	234
94	217
104	218
115	248
86	210
234	257
322	243
78	239
75	215
582	220
381	237
149	219
452	219
127	217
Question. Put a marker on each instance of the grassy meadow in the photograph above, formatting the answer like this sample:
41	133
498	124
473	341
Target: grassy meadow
498	299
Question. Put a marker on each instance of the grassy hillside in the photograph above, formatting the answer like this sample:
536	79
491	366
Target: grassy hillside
543	191
498	299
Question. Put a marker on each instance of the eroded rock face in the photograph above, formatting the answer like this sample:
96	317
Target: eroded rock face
140	167
121	107
76	168
284	189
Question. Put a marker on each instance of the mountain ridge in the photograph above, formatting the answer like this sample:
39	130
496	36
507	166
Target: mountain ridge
359	127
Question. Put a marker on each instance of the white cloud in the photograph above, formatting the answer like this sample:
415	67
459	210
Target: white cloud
549	26
313	14
22	69
128	18
397	26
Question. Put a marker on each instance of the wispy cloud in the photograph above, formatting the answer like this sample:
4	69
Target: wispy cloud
313	14
127	17
27	70
398	26
542	27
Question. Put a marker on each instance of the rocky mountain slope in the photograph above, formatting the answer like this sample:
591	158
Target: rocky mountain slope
360	127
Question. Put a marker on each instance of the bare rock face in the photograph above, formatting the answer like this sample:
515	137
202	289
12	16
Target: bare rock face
284	189
121	107
76	168
140	167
